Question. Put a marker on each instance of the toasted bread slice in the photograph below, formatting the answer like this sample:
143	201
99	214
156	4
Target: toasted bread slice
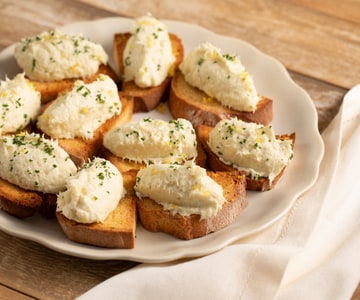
23	203
117	231
130	168
215	164
125	165
81	150
17	201
50	90
154	218
194	105
145	99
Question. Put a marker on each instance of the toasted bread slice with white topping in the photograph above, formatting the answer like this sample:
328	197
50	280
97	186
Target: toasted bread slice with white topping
23	203
17	201
117	231
81	150
154	218
51	90
215	164
145	99
194	105
125	165
130	168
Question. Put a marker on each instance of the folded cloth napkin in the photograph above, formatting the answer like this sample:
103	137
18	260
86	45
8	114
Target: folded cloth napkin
311	253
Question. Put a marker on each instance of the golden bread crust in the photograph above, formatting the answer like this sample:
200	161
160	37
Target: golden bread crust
129	168
145	99
17	201
125	165
194	105
154	218
215	164
81	150
117	231
23	203
50	90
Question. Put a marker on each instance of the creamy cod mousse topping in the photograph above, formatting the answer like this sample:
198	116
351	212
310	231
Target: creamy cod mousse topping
79	112
220	76
183	189
153	141
250	147
55	55
19	104
33	162
92	193
148	57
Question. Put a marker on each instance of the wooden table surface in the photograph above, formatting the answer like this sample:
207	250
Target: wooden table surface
317	41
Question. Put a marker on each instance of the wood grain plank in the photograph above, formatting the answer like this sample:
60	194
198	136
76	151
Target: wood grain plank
9	294
45	274
53	13
326	97
346	10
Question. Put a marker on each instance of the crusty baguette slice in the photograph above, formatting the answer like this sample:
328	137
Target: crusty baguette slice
194	105
117	231
154	218
145	99
81	150
129	168
125	165
17	201
23	203
50	90
215	164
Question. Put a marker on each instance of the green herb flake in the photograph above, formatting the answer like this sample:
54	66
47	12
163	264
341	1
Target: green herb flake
33	65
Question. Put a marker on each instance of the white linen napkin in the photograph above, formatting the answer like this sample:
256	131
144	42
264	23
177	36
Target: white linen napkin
311	253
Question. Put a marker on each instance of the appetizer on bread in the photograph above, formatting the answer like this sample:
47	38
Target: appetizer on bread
68	147
94	209
147	58
19	104
79	118
210	86
134	145
33	170
53	59
186	201
249	147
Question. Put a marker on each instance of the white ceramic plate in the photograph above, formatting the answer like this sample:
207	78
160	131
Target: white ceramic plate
293	111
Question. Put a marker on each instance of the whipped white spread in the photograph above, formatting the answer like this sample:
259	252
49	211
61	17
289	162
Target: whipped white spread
33	162
153	141
19	104
92	193
79	112
220	76
183	189
250	147
148	56
56	55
